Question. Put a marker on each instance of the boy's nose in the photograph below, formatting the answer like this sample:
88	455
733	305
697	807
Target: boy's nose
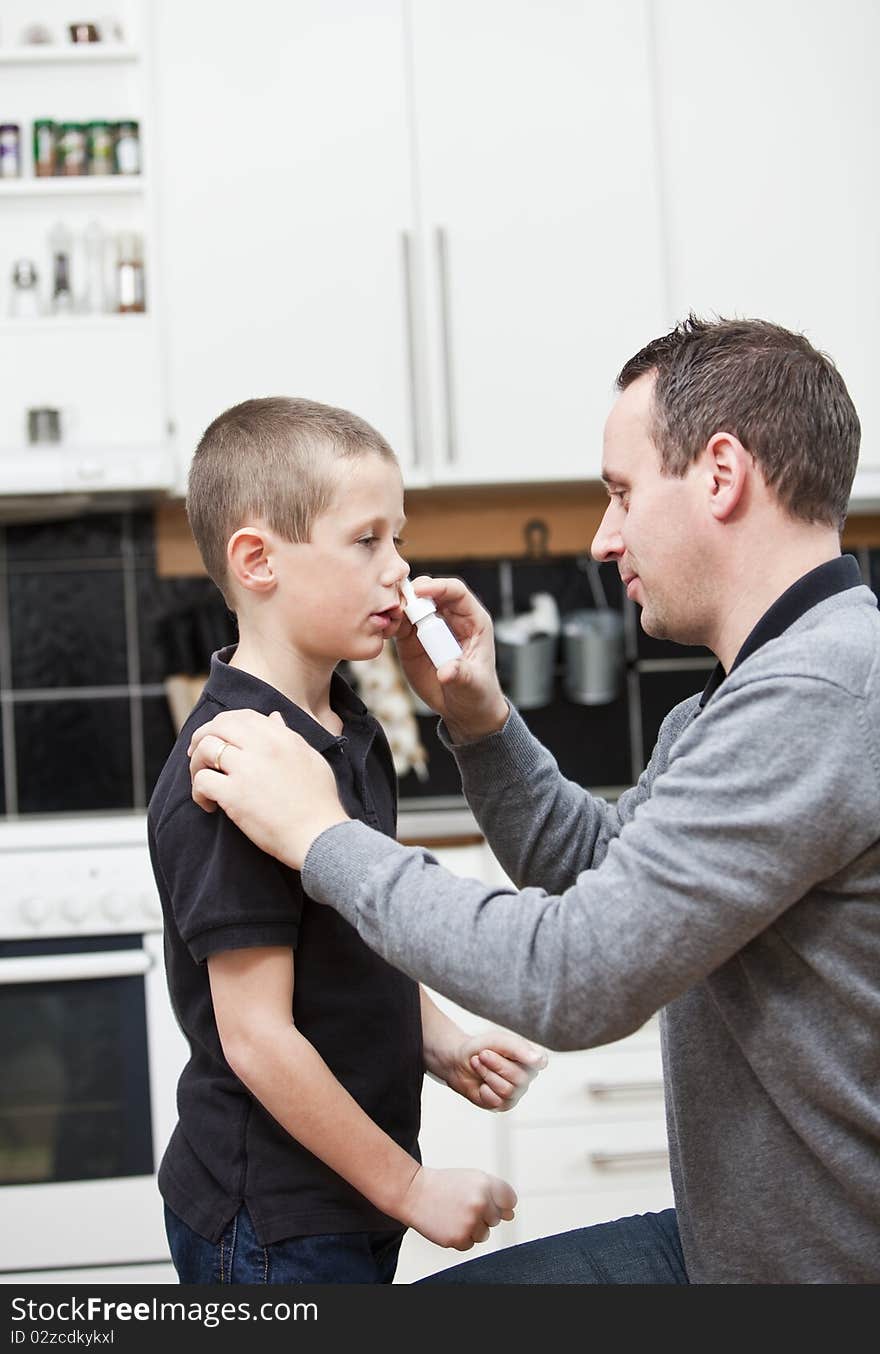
397	570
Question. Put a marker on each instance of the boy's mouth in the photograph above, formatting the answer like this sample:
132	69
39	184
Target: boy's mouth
388	617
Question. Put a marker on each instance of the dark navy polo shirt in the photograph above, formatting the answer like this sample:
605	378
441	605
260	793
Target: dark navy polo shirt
835	575
220	892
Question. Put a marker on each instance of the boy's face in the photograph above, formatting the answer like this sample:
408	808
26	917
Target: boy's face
339	591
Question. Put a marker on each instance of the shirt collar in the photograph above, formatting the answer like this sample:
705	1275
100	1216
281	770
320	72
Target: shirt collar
836	575
238	689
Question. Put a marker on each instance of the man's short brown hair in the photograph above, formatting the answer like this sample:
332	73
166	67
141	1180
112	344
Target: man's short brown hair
784	400
270	460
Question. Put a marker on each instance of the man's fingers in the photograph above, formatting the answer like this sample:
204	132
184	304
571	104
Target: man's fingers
208	788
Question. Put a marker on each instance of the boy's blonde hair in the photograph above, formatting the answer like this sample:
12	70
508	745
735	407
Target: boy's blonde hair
270	460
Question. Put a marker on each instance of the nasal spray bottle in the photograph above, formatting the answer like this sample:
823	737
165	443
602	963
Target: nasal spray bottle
435	636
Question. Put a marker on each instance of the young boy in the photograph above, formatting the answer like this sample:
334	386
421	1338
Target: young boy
295	1158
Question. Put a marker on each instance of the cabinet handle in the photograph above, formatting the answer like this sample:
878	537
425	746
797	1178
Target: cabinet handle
626	1160
607	1089
410	324
442	242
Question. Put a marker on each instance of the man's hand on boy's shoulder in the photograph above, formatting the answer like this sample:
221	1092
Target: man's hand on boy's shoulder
493	1068
267	779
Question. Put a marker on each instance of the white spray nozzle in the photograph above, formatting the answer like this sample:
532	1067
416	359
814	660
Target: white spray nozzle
415	607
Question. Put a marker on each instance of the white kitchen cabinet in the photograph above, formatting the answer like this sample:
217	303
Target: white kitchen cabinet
539	218
768	119
441	215
287	210
101	370
586	1144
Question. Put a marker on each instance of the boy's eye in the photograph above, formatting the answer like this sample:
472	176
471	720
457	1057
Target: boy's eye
367	540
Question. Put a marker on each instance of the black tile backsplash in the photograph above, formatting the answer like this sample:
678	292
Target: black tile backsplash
84	611
660	692
81	538
73	755
158	737
181	622
67	628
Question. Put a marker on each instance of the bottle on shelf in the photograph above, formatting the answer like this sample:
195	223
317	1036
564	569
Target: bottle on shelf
94	300
72	148
100	147
10	150
128	147
130	291
45	147
60	244
24	297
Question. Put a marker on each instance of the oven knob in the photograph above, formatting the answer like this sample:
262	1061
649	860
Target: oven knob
34	909
75	908
114	906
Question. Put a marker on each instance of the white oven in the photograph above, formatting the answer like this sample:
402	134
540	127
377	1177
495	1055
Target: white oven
90	1052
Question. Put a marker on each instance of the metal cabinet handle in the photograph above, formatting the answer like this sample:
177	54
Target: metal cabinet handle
607	1089
442	243
55	968
626	1160
410	327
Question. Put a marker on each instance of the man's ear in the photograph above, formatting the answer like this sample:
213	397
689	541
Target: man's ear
249	557
728	467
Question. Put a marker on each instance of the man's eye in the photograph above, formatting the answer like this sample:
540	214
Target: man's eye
367	540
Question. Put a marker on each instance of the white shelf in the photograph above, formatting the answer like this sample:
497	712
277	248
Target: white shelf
63	467
135	320
75	54
80	185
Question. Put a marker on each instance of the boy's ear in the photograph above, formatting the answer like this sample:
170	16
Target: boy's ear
249	558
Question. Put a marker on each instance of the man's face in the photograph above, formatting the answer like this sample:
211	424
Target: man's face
652	527
340	589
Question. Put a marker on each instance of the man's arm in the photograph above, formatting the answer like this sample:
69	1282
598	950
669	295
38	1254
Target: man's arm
252	992
729	839
544	829
734	833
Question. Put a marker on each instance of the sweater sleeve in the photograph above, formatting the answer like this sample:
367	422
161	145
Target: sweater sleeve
544	829
740	826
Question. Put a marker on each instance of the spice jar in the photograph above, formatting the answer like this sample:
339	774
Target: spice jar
128	148
72	148
100	148
130	273
10	150
45	147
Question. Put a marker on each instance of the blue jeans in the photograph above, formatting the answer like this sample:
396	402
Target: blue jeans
642	1249
238	1257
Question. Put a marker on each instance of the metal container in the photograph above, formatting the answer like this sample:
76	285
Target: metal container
527	669
594	656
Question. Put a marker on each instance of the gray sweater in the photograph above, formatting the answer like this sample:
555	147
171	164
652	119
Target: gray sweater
737	887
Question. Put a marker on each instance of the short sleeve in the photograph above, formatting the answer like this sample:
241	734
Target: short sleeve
224	893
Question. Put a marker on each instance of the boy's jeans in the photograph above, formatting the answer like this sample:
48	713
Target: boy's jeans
238	1257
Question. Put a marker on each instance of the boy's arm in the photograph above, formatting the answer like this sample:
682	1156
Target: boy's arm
252	992
493	1068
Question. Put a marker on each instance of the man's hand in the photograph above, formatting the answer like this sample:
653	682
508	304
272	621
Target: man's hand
494	1068
465	691
277	789
456	1207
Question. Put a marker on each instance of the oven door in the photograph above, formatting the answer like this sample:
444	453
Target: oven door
89	1058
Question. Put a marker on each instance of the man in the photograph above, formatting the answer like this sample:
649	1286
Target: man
735	887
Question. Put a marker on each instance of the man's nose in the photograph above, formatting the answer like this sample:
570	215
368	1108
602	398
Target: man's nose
607	542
